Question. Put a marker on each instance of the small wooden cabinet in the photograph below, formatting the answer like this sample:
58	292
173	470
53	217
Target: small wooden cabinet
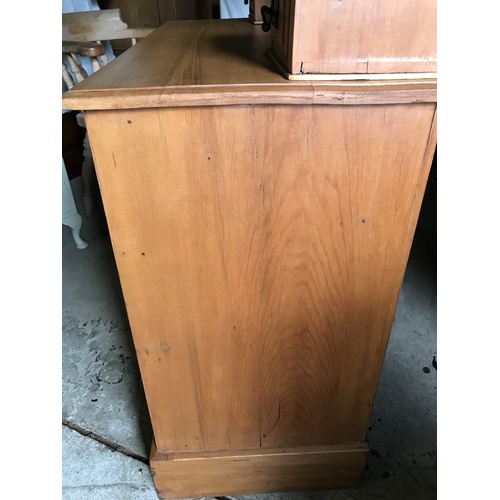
355	36
261	229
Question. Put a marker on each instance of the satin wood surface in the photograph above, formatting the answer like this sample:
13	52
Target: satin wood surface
261	280
356	36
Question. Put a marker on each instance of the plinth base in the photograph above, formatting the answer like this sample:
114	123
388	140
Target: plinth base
233	472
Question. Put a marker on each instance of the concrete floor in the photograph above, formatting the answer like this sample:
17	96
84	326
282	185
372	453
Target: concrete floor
106	430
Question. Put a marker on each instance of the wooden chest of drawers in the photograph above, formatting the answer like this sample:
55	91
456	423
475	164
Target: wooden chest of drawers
261	230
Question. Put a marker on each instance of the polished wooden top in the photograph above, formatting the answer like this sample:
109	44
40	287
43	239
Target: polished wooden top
220	62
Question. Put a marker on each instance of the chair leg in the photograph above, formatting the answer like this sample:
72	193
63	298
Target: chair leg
70	216
75	223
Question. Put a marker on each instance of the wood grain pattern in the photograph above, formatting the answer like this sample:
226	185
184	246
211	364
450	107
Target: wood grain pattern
183	475
261	262
220	63
361	36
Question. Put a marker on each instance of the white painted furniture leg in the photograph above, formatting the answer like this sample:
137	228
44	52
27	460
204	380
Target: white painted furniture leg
70	216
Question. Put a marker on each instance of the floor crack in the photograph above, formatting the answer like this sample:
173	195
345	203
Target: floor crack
104	441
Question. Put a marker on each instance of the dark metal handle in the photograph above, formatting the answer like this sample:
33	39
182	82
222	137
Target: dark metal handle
270	15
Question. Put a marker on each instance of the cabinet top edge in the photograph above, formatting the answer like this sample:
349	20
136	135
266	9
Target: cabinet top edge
222	62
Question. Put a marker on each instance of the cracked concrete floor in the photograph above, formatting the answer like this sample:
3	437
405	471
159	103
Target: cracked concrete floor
106	430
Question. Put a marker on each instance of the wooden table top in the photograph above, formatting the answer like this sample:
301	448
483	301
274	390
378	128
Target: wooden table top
220	62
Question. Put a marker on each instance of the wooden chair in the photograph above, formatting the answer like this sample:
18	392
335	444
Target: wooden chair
82	34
